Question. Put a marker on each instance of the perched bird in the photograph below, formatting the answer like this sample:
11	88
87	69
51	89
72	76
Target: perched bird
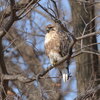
56	47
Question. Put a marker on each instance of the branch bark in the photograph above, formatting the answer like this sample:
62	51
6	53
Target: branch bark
88	35
3	31
84	96
3	71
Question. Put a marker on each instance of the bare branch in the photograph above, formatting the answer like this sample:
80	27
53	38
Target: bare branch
84	51
87	35
11	20
87	94
56	8
27	9
18	77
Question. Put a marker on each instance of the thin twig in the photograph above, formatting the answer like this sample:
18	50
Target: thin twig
86	46
88	93
87	35
84	51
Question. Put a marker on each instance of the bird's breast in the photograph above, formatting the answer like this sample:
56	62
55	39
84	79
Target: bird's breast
51	36
48	38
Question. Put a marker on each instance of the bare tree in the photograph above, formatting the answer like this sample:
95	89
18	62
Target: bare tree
87	63
24	68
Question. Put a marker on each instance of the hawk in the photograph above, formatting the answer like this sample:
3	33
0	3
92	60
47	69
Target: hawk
56	47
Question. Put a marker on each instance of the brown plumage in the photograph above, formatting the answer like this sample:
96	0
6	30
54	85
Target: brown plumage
56	47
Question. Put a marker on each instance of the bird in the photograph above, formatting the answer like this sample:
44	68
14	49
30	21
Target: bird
56	47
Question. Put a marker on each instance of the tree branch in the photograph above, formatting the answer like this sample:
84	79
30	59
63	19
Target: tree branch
3	71
87	94
13	17
88	35
7	26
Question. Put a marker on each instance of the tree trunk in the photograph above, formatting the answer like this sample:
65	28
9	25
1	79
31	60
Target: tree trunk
87	64
3	70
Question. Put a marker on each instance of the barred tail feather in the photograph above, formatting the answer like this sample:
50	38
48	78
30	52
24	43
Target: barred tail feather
64	74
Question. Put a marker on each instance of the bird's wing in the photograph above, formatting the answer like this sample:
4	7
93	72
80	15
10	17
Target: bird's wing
64	43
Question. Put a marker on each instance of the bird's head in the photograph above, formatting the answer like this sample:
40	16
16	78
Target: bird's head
50	27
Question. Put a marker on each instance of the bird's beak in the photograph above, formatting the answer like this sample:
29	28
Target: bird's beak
48	29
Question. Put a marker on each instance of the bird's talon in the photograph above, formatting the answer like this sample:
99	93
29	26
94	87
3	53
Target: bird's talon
69	75
53	64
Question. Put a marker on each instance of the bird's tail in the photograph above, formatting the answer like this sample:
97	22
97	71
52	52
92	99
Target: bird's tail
65	74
